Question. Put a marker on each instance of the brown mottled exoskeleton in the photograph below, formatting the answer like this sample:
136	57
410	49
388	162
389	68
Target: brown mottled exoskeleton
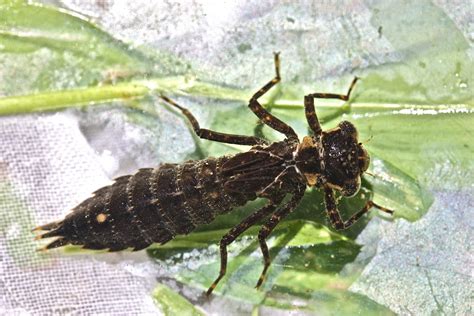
155	205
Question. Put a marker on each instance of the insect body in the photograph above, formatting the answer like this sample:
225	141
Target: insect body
155	205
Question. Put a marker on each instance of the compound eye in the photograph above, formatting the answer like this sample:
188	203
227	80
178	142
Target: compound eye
348	128
364	159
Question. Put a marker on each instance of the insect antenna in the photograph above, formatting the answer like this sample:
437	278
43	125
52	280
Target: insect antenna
375	176
367	140
370	174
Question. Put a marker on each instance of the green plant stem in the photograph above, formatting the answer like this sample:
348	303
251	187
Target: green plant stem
56	100
49	101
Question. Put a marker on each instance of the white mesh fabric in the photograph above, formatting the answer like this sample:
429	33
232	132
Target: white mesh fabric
46	167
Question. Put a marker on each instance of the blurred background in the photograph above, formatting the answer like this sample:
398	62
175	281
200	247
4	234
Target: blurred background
78	102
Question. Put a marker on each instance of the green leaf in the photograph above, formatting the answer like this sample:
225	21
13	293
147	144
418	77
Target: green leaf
171	303
61	51
306	260
404	194
54	46
328	302
59	60
433	67
294	245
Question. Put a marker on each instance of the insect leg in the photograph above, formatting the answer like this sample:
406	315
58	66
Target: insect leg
263	114
335	217
234	233
310	112
268	227
215	136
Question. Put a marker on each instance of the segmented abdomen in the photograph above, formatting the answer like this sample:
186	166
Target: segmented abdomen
153	205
